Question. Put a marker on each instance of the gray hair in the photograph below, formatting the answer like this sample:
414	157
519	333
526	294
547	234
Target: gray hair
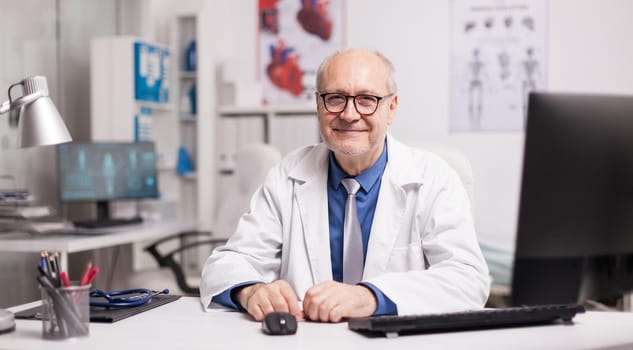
391	81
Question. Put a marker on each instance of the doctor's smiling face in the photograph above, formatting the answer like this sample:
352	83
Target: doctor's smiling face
356	101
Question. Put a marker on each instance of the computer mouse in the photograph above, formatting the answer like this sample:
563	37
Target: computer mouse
279	323
7	321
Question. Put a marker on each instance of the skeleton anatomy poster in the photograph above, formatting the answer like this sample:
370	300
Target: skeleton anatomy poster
294	37
498	58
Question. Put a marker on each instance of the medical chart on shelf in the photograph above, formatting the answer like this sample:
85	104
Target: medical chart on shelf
498	56
294	37
151	73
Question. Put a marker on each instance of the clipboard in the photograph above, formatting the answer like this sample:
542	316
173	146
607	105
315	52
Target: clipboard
107	315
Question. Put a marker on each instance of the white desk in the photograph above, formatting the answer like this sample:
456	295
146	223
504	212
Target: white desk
28	243
184	325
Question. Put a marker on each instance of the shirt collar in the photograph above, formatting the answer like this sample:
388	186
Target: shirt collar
366	179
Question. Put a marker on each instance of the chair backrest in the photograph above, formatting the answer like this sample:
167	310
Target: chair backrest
458	161
252	164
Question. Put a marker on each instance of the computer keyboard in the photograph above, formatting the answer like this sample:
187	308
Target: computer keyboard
467	320
108	223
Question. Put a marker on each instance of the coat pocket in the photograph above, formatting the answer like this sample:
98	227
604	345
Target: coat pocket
407	258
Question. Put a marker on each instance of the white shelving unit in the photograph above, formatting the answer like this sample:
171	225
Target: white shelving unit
185	78
194	123
114	106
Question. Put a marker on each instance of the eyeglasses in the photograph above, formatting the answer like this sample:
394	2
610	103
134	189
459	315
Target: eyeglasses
364	104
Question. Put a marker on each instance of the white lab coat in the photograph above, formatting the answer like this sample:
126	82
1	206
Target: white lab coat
422	252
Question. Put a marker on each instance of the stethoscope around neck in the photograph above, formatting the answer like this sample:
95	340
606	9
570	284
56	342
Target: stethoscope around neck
124	298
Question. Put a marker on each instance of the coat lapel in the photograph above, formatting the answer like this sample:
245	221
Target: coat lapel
390	209
384	230
310	178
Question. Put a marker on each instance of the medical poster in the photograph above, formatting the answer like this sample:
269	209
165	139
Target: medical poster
294	37
499	51
151	73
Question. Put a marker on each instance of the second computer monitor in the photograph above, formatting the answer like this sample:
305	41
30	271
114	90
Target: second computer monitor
104	171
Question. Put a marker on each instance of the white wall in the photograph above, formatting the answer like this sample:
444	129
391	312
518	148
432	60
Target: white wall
590	50
415	35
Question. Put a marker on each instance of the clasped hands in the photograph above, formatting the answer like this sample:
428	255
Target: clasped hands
326	302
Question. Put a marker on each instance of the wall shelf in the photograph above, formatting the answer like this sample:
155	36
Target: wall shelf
188	74
164	107
190	176
188	118
228	111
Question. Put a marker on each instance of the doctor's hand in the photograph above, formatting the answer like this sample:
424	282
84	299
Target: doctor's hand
332	301
263	298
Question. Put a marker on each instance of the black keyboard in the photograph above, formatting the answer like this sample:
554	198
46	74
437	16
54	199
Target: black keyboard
467	320
108	223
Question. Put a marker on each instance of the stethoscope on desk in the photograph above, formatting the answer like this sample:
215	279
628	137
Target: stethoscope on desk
124	298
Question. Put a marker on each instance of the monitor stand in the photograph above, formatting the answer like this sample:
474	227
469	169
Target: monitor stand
104	219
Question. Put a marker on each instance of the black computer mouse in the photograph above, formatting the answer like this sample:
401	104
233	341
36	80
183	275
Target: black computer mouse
279	323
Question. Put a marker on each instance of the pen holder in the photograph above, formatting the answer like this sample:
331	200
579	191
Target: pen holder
66	312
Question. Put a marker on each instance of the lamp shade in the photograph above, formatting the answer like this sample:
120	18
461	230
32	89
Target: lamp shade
40	121
41	124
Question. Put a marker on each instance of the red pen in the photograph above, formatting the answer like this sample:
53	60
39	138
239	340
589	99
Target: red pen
64	278
92	275
84	276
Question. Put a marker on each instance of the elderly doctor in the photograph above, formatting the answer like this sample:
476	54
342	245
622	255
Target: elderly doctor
416	240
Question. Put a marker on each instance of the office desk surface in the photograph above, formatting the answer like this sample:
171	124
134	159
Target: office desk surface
184	325
26	243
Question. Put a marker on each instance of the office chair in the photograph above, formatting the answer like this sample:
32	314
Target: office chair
173	259
499	260
459	162
253	161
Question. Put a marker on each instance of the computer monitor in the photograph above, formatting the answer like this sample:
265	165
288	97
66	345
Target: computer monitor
575	229
101	172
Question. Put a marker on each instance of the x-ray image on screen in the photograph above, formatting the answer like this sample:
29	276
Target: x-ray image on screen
106	171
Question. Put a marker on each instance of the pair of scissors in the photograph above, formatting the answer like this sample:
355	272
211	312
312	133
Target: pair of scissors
124	298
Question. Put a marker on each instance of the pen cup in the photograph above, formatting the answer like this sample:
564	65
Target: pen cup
66	312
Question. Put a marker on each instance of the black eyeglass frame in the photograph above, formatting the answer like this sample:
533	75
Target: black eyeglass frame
347	97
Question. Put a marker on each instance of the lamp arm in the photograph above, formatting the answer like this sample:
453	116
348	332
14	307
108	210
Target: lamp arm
5	107
19	102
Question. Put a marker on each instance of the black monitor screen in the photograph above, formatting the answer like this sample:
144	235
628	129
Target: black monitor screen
575	229
106	171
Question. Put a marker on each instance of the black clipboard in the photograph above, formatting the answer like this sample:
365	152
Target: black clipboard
107	315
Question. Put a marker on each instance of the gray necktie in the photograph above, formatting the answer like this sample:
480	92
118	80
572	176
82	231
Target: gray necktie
352	241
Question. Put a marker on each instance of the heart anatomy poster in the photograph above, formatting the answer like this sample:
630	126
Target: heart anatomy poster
499	51
294	37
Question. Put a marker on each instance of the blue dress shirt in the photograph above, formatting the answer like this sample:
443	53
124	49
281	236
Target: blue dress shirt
366	199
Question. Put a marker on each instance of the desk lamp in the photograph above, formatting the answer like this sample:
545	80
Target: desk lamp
41	125
40	121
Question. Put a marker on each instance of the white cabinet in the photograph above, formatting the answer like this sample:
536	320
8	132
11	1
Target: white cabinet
131	99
